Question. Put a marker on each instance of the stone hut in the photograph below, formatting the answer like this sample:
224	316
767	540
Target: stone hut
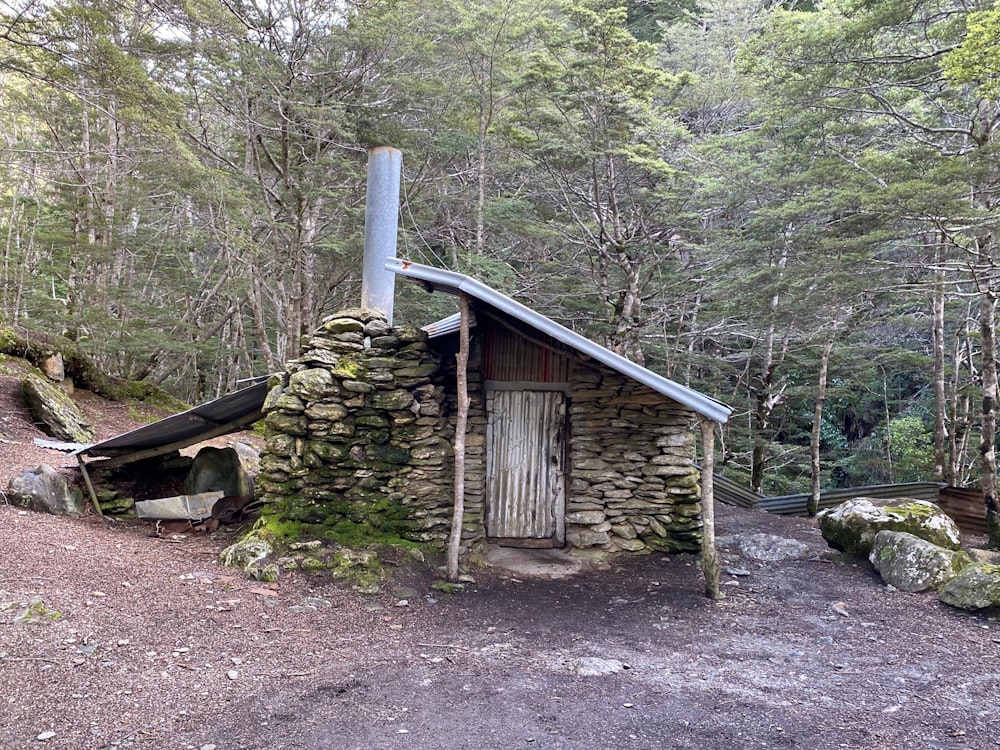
568	444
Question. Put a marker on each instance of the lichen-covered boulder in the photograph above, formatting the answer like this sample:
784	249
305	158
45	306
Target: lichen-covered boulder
976	587
912	564
246	555
46	490
55	410
852	525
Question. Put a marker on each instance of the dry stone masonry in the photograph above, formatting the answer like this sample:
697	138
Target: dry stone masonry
633	484
356	435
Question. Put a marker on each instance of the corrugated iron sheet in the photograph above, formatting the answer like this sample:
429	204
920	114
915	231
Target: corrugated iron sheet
450	282
236	410
443	327
732	493
510	357
965	506
795	505
525	474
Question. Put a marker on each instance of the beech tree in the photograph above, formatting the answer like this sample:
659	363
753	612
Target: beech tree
593	130
880	67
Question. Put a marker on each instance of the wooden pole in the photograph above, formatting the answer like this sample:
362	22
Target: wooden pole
709	554
90	485
461	424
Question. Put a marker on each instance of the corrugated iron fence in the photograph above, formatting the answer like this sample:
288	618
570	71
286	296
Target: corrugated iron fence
964	505
795	505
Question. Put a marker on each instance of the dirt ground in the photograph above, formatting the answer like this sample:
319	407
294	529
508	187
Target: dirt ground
146	642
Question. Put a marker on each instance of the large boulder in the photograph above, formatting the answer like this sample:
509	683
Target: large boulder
51	406
976	587
45	489
219	469
910	563
853	525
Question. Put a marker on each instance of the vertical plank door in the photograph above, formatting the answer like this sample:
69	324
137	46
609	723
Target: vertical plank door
525	477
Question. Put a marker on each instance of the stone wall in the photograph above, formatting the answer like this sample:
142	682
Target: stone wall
633	483
356	435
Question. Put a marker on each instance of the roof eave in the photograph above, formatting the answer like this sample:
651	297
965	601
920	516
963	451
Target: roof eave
451	282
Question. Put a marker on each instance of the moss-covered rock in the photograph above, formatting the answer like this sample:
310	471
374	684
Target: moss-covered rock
311	384
268	573
448	587
910	563
853	525
360	568
246	554
51	406
35	346
976	587
45	490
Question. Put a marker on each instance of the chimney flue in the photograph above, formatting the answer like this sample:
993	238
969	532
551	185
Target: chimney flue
381	222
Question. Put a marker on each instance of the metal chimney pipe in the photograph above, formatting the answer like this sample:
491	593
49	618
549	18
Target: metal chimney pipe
381	222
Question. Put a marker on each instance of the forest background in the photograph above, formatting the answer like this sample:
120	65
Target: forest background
790	206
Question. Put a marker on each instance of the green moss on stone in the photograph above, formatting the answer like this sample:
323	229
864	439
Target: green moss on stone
312	564
447	587
349	368
268	573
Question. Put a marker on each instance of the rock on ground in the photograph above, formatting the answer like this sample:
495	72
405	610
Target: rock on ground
52	407
976	587
852	525
45	490
912	564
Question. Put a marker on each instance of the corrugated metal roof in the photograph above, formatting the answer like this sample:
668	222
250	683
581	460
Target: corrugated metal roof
445	326
221	416
450	282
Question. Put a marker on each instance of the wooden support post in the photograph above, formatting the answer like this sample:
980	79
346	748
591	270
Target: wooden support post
709	554
90	485
461	423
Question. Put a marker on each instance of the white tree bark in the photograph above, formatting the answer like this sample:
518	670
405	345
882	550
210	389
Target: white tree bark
461	423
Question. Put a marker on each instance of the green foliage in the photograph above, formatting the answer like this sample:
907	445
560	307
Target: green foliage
977	59
911	443
647	17
709	186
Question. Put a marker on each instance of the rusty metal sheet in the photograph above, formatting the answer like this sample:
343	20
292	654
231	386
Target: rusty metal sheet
508	356
524	465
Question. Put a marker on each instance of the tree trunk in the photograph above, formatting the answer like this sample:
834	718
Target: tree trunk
988	462
481	178
709	554
958	437
940	401
765	396
812	506
461	421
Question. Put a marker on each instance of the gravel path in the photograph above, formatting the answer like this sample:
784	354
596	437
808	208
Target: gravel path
152	644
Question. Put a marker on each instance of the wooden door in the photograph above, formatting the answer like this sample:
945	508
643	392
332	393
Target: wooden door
525	477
